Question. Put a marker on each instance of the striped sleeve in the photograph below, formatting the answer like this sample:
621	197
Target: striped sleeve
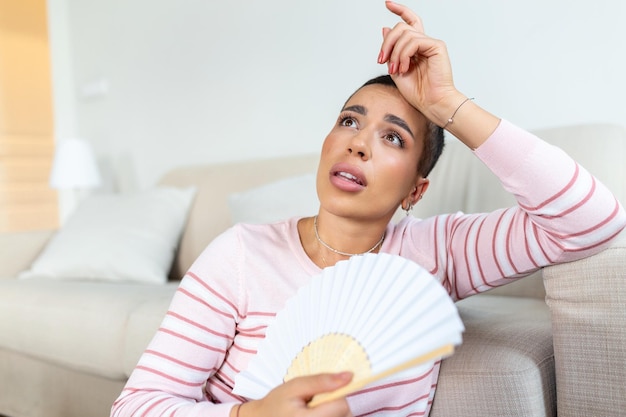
189	346
563	214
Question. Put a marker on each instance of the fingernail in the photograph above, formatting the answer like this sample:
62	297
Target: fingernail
392	68
343	376
380	57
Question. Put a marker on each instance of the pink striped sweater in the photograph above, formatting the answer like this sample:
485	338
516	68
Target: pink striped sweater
234	289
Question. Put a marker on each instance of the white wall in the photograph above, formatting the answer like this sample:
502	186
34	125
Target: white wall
196	81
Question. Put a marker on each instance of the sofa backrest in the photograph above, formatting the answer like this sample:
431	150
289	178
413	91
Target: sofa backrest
459	182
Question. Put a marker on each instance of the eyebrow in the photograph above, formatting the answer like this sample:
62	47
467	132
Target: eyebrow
357	109
399	122
388	117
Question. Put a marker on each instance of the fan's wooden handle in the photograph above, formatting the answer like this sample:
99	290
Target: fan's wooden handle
353	386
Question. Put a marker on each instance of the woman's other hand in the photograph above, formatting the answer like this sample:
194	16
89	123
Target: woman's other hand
290	399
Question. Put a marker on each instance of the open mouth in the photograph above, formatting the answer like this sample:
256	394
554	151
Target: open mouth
350	177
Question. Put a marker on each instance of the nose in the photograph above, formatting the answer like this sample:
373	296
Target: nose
358	146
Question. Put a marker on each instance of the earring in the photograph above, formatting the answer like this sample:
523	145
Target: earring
410	206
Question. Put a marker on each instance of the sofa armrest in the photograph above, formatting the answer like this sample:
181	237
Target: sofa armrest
18	250
587	299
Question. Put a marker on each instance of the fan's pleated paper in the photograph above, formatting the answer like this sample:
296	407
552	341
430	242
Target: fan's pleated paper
368	314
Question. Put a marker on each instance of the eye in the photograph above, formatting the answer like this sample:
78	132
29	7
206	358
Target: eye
348	121
395	139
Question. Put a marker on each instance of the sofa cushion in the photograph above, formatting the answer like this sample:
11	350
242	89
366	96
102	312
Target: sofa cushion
277	200
20	249
505	366
96	327
118	237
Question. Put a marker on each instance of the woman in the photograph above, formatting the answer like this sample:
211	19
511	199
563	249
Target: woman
376	158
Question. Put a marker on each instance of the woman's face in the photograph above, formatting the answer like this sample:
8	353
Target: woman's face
369	159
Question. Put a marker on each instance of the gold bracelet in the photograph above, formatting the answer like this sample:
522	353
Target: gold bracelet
451	119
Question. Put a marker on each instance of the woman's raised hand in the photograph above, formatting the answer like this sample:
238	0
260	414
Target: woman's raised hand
419	65
291	398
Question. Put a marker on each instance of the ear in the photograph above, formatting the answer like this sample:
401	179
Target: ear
421	185
417	192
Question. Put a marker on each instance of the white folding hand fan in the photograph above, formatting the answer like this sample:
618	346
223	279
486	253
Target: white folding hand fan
373	315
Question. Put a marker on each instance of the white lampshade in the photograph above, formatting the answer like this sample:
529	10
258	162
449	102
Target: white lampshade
74	166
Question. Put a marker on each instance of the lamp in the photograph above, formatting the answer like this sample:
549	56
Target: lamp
74	166
74	171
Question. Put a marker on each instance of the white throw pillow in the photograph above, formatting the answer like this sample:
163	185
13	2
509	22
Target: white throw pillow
279	200
118	237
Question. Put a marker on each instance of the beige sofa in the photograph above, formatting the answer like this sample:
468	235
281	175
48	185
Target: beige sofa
67	347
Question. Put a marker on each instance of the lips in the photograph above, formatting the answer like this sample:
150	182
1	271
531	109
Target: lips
348	177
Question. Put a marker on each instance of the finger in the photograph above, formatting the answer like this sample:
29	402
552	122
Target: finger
402	54
406	14
337	408
381	55
390	37
412	47
308	386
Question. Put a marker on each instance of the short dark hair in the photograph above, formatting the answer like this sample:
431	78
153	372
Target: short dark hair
433	139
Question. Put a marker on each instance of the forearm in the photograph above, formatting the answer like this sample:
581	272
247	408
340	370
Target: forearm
176	370
570	211
563	214
161	404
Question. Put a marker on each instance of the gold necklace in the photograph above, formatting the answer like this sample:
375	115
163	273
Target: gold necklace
338	252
